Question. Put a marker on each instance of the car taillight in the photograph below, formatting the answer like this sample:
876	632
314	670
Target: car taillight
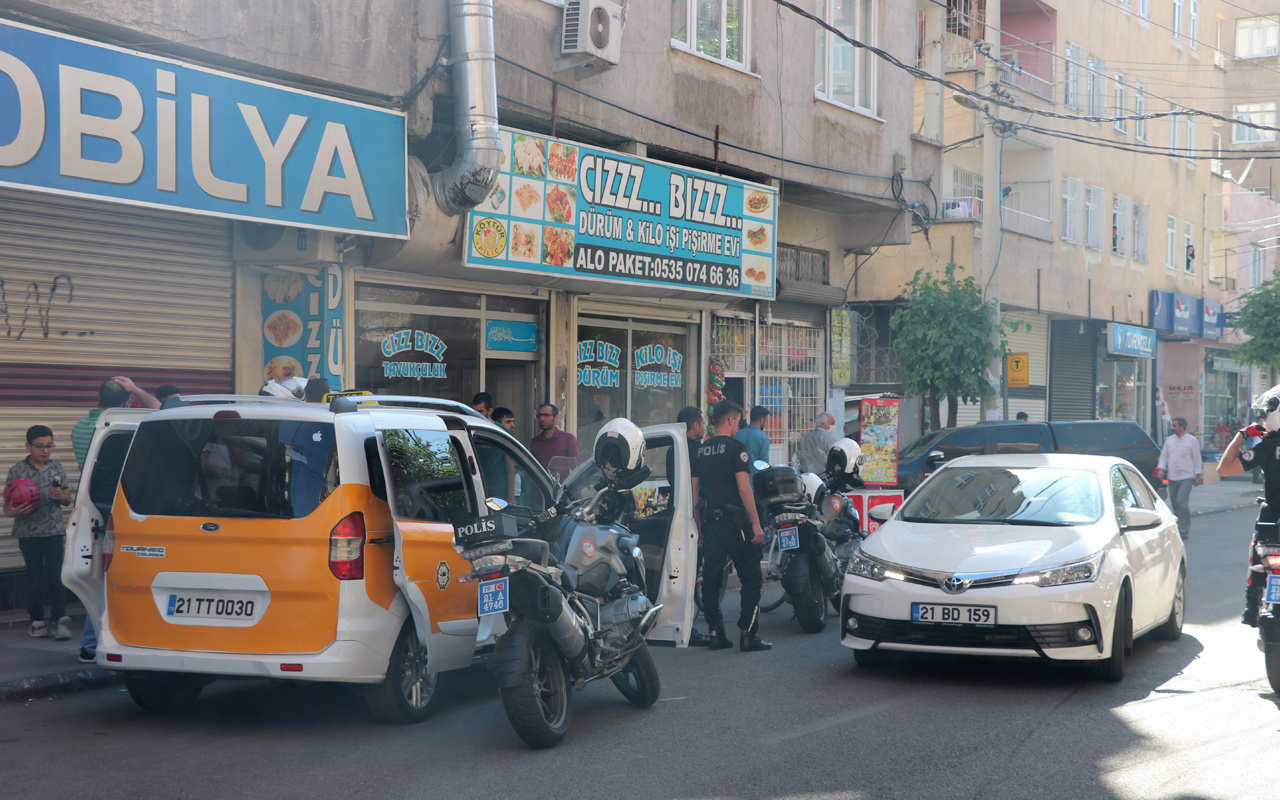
108	544
346	548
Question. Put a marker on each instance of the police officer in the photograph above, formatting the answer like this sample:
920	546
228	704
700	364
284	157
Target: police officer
730	527
1263	455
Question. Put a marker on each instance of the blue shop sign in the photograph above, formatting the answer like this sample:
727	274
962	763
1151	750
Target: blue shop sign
1212	320
564	209
85	119
1161	310
1187	315
1130	340
511	336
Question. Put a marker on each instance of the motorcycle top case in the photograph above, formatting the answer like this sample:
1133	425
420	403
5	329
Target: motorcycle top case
776	487
491	528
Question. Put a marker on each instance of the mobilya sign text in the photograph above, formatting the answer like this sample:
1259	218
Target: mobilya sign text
568	210
86	119
421	341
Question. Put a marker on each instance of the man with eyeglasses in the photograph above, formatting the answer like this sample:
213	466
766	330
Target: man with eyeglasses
553	443
41	533
1263	455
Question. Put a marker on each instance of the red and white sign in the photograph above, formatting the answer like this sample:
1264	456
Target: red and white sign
1181	392
863	500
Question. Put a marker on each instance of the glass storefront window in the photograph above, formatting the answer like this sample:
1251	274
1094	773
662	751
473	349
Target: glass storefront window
1226	401
1124	391
417	354
635	369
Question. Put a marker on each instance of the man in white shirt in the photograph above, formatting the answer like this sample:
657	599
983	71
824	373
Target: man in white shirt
815	444
1180	462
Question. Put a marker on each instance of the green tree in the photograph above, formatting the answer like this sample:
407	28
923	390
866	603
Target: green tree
1260	319
942	338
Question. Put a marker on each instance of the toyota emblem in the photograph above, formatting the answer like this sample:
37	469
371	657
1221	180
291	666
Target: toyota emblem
954	585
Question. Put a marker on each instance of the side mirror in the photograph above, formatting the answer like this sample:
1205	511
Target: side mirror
1141	518
935	458
759	465
881	513
496	503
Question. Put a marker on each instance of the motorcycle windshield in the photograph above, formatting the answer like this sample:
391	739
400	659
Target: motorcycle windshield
582	482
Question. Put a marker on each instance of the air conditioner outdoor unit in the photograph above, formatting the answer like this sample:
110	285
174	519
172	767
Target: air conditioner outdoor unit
592	28
259	243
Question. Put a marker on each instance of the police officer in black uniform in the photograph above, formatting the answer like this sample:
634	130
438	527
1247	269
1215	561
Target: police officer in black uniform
730	527
1264	456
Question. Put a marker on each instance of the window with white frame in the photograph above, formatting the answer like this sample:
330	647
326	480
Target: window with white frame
1120	211
1093	217
1122	125
1144	8
1215	163
1257	37
1257	266
1177	19
1193	23
1188	252
1097	87
845	74
1190	150
1262	113
1171	243
1139	108
1071	188
1141	232
716	29
1175	122
1072	95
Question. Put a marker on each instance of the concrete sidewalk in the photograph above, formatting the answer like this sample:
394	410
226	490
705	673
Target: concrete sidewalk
32	668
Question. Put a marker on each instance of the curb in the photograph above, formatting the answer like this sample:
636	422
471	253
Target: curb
1221	509
64	682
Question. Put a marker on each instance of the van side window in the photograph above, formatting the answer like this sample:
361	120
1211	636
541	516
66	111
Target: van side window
1017	439
373	459
107	467
427	476
962	443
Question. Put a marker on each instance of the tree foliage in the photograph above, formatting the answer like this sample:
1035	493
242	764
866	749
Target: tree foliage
943	338
1260	319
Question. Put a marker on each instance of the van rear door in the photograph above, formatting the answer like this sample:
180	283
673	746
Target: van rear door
431	486
82	560
666	532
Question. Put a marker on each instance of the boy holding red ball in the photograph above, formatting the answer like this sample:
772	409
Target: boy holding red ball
34	494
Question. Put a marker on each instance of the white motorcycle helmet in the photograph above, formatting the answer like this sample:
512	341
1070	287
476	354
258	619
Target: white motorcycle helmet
619	450
812	485
1269	403
844	458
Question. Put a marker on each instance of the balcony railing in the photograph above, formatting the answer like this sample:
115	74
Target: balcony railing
1015	221
1027	67
962	208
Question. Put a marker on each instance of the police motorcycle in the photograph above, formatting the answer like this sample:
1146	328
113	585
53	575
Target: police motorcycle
1264	553
571	583
811	531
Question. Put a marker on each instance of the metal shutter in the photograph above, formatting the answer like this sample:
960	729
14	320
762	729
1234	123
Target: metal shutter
144	293
1073	374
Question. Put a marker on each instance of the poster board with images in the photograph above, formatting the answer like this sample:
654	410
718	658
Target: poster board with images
880	441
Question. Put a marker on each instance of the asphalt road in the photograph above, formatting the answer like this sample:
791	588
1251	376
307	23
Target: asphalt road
1192	719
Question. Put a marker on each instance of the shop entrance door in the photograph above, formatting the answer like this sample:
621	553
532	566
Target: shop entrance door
511	384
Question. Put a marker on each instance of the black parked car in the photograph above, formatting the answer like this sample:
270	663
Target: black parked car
1094	437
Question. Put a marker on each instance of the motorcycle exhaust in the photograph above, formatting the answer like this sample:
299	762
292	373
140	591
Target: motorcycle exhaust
561	622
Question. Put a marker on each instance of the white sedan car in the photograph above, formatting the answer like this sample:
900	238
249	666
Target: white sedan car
1054	556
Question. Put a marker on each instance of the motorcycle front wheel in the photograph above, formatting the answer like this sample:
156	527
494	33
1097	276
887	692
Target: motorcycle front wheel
638	680
534	685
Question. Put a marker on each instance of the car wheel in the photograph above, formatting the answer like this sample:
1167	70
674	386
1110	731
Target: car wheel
162	691
1112	669
1171	630
408	693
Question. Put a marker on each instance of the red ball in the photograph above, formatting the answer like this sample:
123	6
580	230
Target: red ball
20	491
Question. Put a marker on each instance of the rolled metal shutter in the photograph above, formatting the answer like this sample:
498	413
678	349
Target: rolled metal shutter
1073	371
89	290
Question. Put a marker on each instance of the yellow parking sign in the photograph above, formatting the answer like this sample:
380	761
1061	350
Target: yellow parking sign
1018	370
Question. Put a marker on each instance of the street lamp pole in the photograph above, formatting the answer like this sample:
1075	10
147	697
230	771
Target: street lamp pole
992	231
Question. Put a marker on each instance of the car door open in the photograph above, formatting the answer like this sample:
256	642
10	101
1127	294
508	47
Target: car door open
665	530
430	486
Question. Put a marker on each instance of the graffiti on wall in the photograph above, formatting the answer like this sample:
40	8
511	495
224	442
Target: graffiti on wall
19	306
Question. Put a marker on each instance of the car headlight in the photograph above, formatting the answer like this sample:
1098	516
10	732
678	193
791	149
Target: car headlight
1085	571
865	566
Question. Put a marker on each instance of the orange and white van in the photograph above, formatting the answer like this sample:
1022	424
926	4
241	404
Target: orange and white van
268	538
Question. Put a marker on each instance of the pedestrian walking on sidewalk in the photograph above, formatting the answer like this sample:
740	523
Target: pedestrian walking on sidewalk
1181	464
34	494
